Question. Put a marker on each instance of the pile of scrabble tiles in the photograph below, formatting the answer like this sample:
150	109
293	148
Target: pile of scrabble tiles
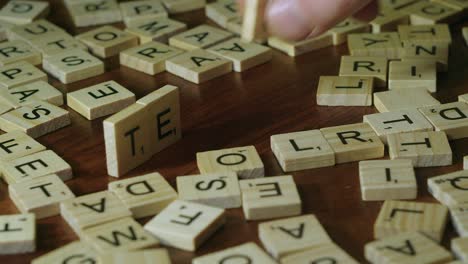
408	45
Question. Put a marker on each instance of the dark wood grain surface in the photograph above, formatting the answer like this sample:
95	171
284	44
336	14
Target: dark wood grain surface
238	110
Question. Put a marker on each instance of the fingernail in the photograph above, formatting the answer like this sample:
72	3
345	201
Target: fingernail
283	19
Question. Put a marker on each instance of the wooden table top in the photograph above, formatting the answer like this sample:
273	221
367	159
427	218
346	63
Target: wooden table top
239	109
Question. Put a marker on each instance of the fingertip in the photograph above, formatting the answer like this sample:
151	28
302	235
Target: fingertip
282	20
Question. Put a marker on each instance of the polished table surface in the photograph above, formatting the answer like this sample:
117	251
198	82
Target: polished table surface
239	109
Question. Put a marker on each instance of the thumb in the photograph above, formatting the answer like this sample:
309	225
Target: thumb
298	19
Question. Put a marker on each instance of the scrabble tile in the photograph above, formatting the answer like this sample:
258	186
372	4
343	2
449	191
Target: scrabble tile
119	236
406	248
40	196
248	252
456	4
147	256
4	106
401	216
302	150
296	48
430	13
427	52
325	253
16	51
463	98
353	142
149	58
392	5
385	44
186	225
365	67
18	234
448	189
465	34
200	37
345	91
23	12
145	195
57	43
78	250
244	161
129	134
271	197
253	26
425	149
465	163
90	13
158	29
181	6
403	99
142	10
341	30
388	21
243	55
35	119
387	180
34	166
198	66
93	209
217	189
34	31
4	28
222	11
73	65
402	121
439	33
20	73
107	41
25	94
459	247
459	217
452	118
17	144
100	100
292	235
410	74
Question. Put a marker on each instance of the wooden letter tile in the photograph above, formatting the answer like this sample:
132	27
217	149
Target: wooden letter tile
136	11
4	29
399	217
200	37
248	252
353	142
243	55
17	144
120	235
465	163
217	190
409	74
221	12
100	100
429	13
244	161
20	73
425	149
253	20
18	234
186	225
387	180
386	45
403	99
73	65
180	6
296	48
36	165
459	247
57	43
463	98
345	91
149	58
271	197
91	13
456	4
91	210
25	94
40	196
406	248
35	119
78	251
107	41
147	256
302	150
292	235
198	66
452	118
388	21
144	195
365	67
341	30
324	253
18	50
23	12
449	189
427	52
459	216
389	123
158	29
439	33
38	30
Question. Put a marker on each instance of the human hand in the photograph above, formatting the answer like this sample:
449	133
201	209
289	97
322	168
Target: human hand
300	19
